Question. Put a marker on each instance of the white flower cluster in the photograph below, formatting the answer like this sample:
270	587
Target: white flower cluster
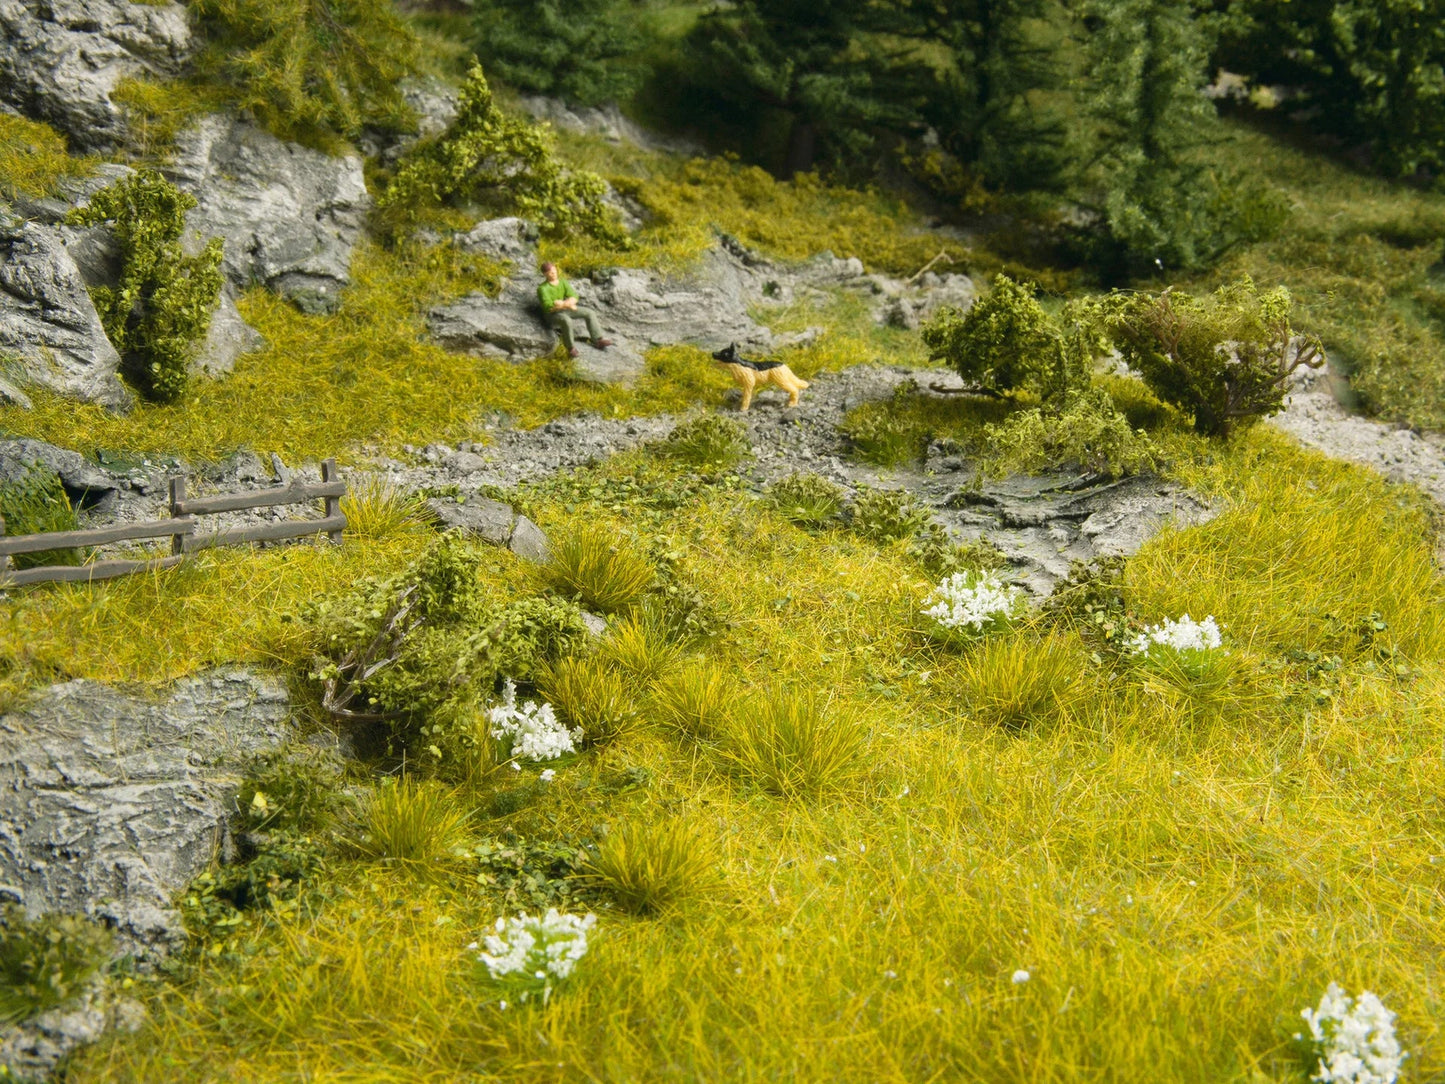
1355	1039
973	601
530	732
538	950
1186	634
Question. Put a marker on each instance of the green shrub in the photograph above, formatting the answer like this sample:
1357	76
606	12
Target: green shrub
410	822
46	961
1091	601
1088	431
1016	681
1000	344
577	50
649	867
292	790
807	500
37	503
695	701
422	651
161	307
789	746
710	442
939	555
500	163
887	515
309	69
607	575
587	695
884	434
1224	360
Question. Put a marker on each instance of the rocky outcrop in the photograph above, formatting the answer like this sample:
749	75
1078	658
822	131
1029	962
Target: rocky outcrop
47	320
60	59
111	803
606	121
290	216
908	304
637	309
513	239
227	338
85	484
491	521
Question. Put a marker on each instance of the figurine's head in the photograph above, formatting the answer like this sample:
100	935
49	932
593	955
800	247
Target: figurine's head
549	269
726	356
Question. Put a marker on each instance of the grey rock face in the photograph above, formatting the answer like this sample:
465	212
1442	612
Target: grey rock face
512	239
228	337
637	309
495	523
910	304
86	485
110	804
60	59
606	121
47	320
289	216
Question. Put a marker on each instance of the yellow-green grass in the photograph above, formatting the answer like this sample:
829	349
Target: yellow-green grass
362	377
1362	256
1178	893
33	158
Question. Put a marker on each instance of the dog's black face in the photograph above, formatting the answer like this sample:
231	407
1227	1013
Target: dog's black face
728	354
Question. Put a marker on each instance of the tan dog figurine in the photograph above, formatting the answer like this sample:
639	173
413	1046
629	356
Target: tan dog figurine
751	375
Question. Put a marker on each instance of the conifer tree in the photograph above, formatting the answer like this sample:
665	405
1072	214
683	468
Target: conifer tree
578	50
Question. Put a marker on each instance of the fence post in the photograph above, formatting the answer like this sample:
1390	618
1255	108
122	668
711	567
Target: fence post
333	504
178	494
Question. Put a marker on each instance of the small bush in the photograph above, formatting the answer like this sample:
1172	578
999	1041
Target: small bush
505	165
710	442
161	307
807	500
1016	681
309	69
45	962
1087	432
879	433
289	791
375	508
36	503
1000	344
410	822
787	745
1224	360
1091	602
648	868
695	701
606	575
639	648
590	697
887	515
939	555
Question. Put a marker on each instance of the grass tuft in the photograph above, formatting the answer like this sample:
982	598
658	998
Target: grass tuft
695	701
710	442
649	867
606	575
807	500
34	159
1017	681
587	695
787	744
376	508
639	647
410	822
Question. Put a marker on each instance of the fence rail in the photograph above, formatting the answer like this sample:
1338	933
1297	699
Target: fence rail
181	529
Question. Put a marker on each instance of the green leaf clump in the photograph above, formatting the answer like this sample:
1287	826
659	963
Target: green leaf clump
161	306
501	163
311	70
422	651
1224	359
46	961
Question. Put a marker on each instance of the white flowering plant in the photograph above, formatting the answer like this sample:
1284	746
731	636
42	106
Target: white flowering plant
1353	1038
1190	652
969	605
529	731
528	955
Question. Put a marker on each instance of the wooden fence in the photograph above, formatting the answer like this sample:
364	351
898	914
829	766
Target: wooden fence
182	530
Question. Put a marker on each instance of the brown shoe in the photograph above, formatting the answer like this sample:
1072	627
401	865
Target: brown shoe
601	344
571	351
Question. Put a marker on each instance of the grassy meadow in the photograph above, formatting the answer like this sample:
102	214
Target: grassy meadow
1179	869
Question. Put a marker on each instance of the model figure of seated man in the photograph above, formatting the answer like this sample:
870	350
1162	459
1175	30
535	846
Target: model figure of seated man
560	308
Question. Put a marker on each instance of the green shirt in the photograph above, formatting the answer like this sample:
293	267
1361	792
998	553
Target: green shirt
549	294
